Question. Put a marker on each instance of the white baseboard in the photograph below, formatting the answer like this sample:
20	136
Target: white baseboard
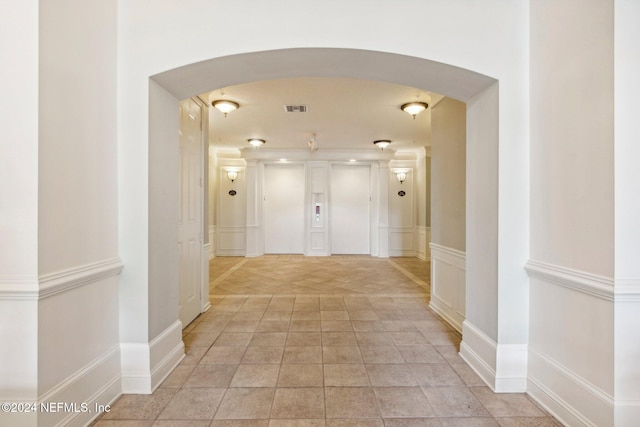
503	367
569	397
145	366
446	312
97	383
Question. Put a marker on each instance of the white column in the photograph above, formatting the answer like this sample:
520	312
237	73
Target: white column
255	245
382	208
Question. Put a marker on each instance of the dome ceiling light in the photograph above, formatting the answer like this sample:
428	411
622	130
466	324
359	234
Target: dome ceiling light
256	142
225	106
414	108
382	143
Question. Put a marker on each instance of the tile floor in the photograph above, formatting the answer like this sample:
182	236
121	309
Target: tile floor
343	341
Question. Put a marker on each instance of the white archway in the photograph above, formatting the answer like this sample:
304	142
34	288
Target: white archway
481	345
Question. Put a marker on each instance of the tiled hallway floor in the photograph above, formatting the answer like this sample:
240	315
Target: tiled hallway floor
333	342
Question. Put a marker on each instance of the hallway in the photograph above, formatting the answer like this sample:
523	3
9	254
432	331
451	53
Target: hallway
322	341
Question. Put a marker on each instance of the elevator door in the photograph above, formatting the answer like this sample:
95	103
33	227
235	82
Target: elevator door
350	209
284	188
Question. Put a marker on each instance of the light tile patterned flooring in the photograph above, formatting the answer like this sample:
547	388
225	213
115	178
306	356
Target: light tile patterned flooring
341	341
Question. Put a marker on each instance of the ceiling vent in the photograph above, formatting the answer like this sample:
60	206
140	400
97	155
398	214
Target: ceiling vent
295	108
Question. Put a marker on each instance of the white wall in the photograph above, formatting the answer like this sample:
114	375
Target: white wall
448	210
627	211
571	345
61	223
448	166
18	204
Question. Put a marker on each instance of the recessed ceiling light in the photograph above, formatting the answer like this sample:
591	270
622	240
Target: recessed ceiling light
352	160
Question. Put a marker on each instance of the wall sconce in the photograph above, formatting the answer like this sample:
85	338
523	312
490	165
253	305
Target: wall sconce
232	173
225	106
401	174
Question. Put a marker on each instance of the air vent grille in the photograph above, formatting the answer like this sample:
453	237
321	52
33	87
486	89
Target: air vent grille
295	108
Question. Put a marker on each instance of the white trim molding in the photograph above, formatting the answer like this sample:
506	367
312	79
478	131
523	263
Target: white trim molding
145	366
423	237
554	386
591	284
503	367
402	241
448	284
212	241
101	378
47	285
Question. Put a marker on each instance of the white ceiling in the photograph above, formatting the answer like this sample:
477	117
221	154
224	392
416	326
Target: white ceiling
342	113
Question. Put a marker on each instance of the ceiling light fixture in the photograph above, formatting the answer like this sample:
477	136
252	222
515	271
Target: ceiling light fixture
414	108
382	143
256	142
225	106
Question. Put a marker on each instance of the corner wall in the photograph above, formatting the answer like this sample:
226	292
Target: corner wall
571	263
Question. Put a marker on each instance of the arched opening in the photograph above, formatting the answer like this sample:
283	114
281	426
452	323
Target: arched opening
479	92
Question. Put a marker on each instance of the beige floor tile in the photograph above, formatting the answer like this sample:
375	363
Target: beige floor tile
345	375
223	355
302	402
412	422
363	315
306	315
255	376
420	354
240	423
305	354
233	339
355	423
388	375
300	339
259	355
182	423
246	403
309	326
341	354
268	339
408	338
367	325
351	402
506	405
454	402
140	406
402	402
123	423
434	374
381	354
211	376
468	422
273	326
336	325
527	422
297	423
301	375
339	338
178	377
304	325
200	403
374	338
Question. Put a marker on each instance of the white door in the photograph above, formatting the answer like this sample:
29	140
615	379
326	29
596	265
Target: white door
190	216
284	209
350	209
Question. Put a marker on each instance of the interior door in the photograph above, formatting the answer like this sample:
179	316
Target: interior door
284	188
190	216
350	209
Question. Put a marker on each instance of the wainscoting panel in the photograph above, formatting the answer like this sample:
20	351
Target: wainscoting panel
402	241
448	290
423	237
571	353
231	241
